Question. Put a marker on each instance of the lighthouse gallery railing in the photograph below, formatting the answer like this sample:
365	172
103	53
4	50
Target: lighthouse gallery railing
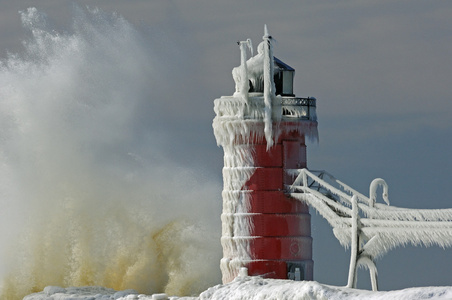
303	108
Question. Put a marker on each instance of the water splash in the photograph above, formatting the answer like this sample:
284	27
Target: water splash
88	196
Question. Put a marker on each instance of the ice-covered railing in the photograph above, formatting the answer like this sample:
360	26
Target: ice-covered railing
302	108
371	229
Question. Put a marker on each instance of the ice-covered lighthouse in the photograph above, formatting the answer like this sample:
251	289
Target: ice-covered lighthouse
262	128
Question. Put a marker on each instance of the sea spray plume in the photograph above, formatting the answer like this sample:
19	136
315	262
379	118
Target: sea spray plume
88	196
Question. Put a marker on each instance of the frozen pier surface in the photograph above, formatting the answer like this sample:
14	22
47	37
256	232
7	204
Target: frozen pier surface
369	228
250	288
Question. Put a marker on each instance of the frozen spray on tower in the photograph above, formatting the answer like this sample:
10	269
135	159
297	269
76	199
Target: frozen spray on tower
262	129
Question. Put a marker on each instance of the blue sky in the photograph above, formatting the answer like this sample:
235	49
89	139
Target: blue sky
380	70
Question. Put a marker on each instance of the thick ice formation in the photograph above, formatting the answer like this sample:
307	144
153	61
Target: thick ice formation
238	168
256	75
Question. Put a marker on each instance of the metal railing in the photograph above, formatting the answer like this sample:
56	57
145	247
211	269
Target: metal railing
301	108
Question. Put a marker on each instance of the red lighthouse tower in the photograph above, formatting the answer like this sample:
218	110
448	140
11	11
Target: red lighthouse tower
262	129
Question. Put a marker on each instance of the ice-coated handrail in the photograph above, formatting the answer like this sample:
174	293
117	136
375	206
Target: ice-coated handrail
371	229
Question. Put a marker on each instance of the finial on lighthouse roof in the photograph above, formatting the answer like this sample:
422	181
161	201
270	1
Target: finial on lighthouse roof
266	34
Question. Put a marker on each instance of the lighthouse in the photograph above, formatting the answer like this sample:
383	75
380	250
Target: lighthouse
263	129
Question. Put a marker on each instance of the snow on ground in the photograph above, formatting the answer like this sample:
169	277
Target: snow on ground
250	288
94	293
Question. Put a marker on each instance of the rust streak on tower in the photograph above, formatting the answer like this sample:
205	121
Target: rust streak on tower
262	128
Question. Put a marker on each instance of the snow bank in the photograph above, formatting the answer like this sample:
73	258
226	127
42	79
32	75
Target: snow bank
249	288
95	293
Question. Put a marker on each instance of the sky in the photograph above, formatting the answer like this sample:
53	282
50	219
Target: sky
380	71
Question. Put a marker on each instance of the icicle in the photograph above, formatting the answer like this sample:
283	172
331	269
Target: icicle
269	90
244	82
250	46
